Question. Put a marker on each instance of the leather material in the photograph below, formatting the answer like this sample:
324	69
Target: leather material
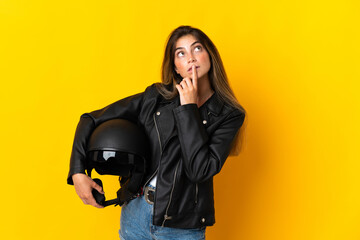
188	146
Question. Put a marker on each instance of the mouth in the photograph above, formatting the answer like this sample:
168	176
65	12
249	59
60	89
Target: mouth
190	69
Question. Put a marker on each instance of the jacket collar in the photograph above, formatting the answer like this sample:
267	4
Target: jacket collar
214	104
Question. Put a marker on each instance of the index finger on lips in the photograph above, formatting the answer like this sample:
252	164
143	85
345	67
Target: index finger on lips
194	76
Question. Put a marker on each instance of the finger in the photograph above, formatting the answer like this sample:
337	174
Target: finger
183	84
98	188
179	88
188	83
194	76
91	201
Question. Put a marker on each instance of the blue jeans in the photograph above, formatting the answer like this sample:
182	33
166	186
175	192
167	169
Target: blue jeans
136	224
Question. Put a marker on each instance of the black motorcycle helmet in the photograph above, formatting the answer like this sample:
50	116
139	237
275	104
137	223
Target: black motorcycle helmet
118	147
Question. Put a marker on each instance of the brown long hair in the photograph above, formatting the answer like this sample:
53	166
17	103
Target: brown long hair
217	76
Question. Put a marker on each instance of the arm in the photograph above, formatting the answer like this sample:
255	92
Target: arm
128	108
204	155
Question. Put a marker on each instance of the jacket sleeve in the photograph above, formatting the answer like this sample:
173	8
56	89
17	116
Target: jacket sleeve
127	108
204	155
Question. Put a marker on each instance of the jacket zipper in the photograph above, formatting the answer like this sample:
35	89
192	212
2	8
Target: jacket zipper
157	131
196	193
166	217
153	175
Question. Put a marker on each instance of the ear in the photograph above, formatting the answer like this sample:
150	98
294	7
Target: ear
176	70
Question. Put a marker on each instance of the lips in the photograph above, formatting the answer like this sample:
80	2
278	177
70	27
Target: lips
190	69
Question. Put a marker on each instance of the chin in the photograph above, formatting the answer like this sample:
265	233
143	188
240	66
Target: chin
200	76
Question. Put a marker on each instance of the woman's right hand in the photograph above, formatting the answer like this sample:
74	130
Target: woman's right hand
83	186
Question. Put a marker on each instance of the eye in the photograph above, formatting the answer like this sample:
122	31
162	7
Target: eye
180	54
198	48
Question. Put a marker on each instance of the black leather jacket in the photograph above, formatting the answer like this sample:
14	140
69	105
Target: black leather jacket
188	146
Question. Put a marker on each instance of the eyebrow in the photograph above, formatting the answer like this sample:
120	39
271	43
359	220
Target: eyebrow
190	45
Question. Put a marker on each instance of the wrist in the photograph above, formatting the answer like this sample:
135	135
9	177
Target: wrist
77	176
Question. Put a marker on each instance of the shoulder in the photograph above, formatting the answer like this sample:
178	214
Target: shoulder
153	89
232	113
219	107
158	90
150	92
151	95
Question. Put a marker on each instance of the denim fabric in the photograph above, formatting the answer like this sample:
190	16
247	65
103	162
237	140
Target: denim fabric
136	224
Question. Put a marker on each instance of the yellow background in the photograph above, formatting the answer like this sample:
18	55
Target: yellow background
294	66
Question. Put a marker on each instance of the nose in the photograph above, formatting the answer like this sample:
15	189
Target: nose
191	59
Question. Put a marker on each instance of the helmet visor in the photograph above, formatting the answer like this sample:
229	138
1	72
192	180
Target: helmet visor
111	162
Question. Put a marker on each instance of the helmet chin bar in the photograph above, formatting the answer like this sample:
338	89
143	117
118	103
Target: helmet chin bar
130	171
100	198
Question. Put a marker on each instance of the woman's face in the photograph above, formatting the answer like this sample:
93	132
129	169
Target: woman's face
188	52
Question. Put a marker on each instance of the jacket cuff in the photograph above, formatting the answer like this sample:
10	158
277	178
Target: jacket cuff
189	106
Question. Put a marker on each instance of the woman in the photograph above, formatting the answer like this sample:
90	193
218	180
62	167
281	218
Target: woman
192	119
